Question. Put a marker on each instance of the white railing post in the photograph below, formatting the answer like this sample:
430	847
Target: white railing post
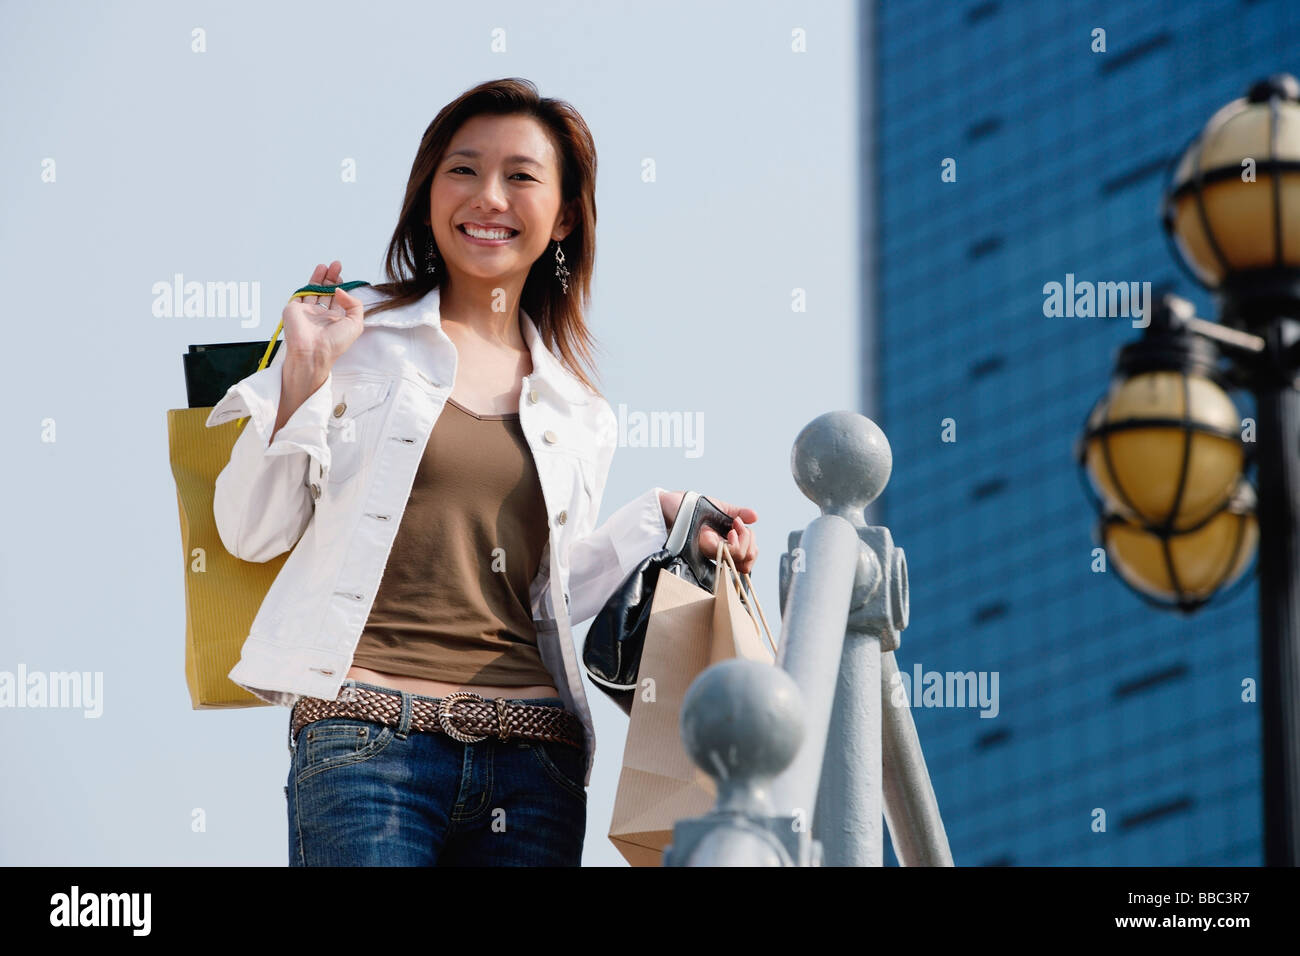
811	757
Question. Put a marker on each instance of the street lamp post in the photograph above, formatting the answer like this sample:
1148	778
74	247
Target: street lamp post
1233	214
1279	601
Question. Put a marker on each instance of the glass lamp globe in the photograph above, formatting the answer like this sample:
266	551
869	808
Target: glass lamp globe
1163	449
1185	569
1234	202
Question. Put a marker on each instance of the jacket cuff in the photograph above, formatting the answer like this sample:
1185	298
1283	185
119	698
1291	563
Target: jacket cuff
638	529
258	397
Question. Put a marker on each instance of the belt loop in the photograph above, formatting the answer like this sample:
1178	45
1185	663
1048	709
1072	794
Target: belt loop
404	724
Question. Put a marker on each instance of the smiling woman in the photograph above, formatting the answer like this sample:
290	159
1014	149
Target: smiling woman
436	464
501	157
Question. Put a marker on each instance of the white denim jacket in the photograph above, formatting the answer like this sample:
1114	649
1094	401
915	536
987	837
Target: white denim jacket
334	483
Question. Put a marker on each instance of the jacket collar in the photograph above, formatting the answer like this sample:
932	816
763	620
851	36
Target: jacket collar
547	369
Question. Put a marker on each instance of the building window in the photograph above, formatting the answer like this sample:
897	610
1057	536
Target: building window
1131	177
986	366
992	738
1136	52
987	489
1153	813
983	247
1151	679
985	127
989	612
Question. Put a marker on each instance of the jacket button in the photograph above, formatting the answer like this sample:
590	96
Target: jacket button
532	395
340	408
550	437
315	490
562	517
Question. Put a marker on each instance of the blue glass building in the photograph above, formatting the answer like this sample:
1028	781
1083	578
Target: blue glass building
1061	154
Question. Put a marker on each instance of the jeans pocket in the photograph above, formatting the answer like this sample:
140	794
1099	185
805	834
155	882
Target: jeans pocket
564	764
337	742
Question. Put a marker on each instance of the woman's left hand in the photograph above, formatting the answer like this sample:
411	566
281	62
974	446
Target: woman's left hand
740	539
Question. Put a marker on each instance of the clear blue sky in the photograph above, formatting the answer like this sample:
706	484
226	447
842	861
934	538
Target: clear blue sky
225	166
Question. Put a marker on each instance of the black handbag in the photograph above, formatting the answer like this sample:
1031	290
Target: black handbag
611	652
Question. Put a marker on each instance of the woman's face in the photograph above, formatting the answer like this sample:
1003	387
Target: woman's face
498	171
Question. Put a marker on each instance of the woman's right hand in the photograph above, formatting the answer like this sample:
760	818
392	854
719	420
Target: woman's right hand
320	328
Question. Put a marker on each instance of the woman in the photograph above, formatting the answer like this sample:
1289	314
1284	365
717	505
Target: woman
496	233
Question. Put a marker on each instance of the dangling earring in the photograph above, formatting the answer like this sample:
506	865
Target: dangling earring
561	271
431	258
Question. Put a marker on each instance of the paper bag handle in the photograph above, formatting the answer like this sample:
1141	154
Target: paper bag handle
299	293
266	357
724	557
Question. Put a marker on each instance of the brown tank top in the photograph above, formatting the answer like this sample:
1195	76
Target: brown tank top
453	601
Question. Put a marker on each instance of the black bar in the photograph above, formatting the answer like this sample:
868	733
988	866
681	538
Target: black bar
1278	412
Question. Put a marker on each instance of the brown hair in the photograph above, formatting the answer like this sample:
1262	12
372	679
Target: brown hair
559	317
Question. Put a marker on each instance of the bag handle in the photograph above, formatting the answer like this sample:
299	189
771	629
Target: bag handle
266	357
724	557
299	293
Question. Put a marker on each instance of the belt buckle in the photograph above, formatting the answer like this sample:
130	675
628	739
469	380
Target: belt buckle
444	716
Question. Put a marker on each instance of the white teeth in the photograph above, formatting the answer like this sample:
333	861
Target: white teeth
487	233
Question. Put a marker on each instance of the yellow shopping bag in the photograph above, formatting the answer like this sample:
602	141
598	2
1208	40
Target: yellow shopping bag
222	592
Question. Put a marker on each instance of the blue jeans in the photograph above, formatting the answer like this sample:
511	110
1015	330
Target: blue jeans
363	794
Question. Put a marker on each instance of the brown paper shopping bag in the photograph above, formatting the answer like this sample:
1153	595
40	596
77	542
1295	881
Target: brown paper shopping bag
689	629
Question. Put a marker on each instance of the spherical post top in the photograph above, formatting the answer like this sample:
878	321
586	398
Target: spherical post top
742	722
842	461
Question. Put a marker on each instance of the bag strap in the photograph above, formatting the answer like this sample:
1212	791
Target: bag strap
328	289
266	357
724	557
305	290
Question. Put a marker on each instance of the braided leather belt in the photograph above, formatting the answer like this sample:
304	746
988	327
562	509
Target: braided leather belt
462	716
